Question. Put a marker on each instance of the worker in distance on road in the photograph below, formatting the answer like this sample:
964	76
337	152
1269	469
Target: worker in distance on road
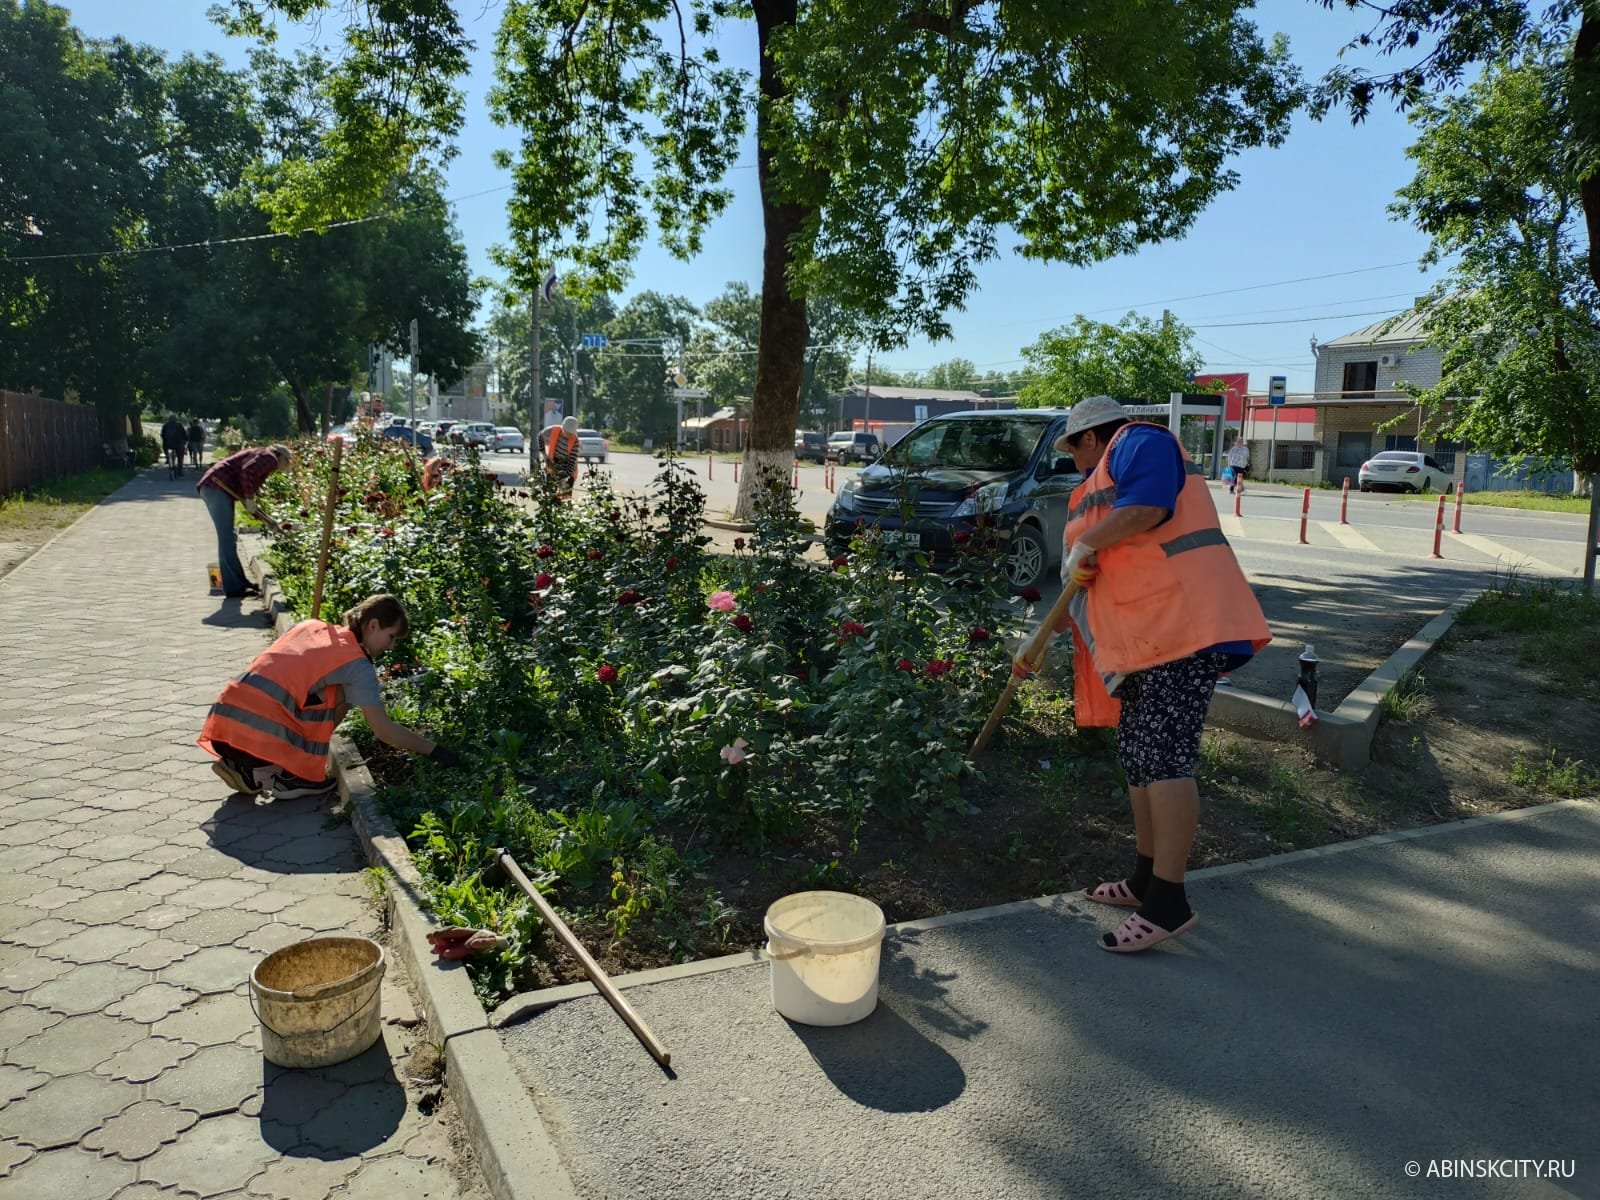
561	453
1163	611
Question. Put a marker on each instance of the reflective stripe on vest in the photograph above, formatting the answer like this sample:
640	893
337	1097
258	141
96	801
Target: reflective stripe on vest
1194	541
283	709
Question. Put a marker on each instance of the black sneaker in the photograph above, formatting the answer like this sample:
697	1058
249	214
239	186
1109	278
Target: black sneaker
306	791
234	778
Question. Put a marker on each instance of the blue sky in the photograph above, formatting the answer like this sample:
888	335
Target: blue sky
1308	219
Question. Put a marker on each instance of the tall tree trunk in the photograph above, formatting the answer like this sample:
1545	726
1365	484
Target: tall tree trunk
305	420
1585	70
780	354
327	407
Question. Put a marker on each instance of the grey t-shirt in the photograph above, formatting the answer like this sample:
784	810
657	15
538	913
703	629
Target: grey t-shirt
359	679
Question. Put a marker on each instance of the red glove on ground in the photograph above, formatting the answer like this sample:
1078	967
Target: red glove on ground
457	941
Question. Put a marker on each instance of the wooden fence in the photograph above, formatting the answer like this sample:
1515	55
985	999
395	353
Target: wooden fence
43	440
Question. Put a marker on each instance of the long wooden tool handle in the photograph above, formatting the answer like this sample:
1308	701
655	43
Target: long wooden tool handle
327	529
1033	654
598	977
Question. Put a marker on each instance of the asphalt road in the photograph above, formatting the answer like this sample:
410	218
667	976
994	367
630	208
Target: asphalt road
1333	1018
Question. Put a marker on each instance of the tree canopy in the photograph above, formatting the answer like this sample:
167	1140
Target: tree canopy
1138	357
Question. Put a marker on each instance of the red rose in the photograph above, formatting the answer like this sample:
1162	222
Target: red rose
940	665
543	581
594	556
385	532
614	515
1030	594
849	630
978	634
960	537
606	674
743	623
544	551
622	535
840	561
628	596
738	543
672	561
905	664
351	531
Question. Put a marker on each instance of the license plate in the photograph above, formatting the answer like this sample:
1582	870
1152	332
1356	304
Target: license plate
901	537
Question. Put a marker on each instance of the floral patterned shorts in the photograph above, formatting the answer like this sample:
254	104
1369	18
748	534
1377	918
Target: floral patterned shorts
1164	716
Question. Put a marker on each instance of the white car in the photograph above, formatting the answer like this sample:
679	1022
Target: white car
591	446
1403	470
508	438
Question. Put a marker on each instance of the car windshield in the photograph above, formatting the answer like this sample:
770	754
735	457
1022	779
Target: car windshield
588	433
1398	456
982	444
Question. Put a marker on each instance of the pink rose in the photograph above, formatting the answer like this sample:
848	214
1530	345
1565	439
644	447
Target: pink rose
723	601
734	755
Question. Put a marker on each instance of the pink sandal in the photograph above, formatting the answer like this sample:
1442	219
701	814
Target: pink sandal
1115	893
1137	934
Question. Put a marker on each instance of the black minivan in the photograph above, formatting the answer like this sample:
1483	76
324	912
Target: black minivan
939	480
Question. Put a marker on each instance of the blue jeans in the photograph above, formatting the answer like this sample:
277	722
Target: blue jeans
220	505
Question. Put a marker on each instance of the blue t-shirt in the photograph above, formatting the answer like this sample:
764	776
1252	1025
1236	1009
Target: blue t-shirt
1149	467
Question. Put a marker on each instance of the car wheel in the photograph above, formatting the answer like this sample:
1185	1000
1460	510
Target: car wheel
1427	483
1028	557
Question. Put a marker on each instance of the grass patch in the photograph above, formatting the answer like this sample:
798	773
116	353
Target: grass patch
1560	627
1542	501
1568	778
1408	699
52	505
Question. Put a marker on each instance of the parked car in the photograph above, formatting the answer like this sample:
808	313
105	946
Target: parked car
344	433
508	438
952	471
1403	470
592	447
846	447
810	446
413	437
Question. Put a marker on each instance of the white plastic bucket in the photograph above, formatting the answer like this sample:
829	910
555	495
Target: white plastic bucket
318	1000
824	948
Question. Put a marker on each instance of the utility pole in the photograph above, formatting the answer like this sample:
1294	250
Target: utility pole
534	384
412	389
866	407
574	409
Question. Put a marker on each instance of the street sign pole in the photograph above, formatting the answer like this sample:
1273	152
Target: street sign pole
413	388
1276	394
534	385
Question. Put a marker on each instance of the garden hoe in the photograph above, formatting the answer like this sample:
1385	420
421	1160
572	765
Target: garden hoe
503	867
1026	663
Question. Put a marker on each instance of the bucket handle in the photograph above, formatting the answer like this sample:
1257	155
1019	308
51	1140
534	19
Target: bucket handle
289	1037
779	957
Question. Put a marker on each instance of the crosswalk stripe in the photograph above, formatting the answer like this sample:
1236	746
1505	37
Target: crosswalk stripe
1348	537
1508	554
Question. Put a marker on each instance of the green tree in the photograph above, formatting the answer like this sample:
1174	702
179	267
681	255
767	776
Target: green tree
1515	318
646	337
893	141
955	374
1139	357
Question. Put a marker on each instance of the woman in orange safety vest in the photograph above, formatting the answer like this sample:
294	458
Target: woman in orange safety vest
271	728
1163	611
561	452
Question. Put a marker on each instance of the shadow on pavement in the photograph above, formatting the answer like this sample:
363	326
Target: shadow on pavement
885	1063
284	836
332	1112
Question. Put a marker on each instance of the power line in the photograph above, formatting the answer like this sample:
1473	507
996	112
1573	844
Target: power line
1383	312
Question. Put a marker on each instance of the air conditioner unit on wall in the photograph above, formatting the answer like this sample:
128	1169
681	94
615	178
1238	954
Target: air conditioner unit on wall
1388	360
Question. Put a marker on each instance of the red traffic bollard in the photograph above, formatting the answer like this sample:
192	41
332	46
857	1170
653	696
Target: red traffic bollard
709	462
1438	528
1238	495
1459	489
1305	513
1344	501
736	470
795	482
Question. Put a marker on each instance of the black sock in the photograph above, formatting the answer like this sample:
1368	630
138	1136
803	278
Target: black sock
1165	904
1139	881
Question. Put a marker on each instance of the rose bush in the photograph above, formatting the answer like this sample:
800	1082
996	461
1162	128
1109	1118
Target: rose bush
627	703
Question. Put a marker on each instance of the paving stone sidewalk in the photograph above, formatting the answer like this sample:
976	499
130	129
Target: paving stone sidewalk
136	897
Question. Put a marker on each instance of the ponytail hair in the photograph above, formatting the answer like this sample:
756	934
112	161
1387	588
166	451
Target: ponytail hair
386	610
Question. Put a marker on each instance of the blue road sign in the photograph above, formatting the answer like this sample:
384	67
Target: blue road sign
594	341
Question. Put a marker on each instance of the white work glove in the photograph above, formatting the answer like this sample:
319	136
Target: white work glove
1079	566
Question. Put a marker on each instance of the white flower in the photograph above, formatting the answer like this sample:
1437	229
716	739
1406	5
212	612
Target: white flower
734	754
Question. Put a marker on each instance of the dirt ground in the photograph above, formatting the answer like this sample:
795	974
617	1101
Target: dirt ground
1496	719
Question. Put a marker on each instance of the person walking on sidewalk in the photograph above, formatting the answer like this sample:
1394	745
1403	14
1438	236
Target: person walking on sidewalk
1164	609
1238	463
271	728
174	441
238	478
197	441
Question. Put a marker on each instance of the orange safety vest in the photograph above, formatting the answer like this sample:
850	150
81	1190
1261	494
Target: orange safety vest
1161	595
283	709
562	450
433	472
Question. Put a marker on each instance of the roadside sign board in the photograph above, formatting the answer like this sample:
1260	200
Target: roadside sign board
594	341
683	393
1277	389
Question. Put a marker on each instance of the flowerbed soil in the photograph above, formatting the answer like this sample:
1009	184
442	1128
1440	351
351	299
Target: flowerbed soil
1501	719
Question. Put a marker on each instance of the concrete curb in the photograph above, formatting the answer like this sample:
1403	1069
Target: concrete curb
509	1139
528	1004
1344	736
